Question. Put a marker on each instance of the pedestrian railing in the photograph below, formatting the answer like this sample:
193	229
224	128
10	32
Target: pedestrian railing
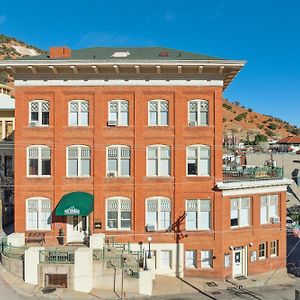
57	256
12	251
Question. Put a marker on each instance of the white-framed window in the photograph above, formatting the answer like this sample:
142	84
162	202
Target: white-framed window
38	161
239	212
39	113
158	160
206	258
198	214
158	213
7	128
38	213
78	113
118	161
118	111
198	112
198	160
262	250
274	248
118	213
158	113
166	259
78	161
268	208
191	259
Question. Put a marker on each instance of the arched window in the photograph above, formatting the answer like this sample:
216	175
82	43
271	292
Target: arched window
118	113
78	113
78	161
118	161
38	213
38	161
198	112
118	213
158	113
198	160
158	213
39	113
158	160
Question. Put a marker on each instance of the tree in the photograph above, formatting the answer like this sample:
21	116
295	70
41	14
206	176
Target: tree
260	138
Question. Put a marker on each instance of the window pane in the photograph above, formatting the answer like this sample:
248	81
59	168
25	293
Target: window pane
203	118
204	222
193	117
45	118
113	116
206	257
33	167
191	220
165	219
123	118
152	167
152	218
204	167
45	220
125	167
85	167
234	221
190	258
112	219
73	118
153	118
192	167
263	215
34	116
46	167
125	219
273	211
165	167
72	167
32	220
112	165
84	118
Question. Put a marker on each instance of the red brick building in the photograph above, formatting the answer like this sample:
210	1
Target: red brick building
128	142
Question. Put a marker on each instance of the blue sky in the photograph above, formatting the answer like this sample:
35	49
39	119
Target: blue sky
266	33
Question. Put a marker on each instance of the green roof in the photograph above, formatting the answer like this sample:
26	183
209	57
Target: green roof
135	53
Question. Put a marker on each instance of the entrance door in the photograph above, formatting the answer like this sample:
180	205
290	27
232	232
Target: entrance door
238	262
77	227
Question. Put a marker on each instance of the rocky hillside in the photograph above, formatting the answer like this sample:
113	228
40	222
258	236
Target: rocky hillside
246	123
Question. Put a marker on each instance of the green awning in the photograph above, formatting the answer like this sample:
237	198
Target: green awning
75	204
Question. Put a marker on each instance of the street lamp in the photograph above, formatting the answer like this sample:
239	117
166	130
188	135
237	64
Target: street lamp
149	242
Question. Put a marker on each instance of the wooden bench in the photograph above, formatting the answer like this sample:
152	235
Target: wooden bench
35	237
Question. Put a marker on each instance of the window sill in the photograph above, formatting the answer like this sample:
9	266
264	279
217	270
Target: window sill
262	258
240	227
117	229
39	177
78	177
39	126
159	177
208	230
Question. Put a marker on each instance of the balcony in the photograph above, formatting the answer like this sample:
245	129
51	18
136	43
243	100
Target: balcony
246	173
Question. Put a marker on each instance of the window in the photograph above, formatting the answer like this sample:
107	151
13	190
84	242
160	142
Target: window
262	251
165	258
274	248
118	161
191	259
227	260
198	112
78	113
38	161
198	160
6	130
78	161
206	258
197	214
118	112
118	213
158	214
8	166
268	208
239	212
39	113
158	113
158	160
38	214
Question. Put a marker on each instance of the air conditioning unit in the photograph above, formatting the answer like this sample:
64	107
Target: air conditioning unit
112	123
194	123
111	174
275	220
150	228
33	123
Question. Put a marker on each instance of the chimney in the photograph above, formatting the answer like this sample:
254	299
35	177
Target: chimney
60	52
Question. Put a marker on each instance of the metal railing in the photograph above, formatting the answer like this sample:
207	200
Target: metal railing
251	173
12	251
57	256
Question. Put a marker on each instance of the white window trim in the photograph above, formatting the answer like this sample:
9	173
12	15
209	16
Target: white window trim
119	111
198	215
79	161
194	266
198	101
40	103
158	101
118	173
211	259
268	208
265	256
40	147
119	228
79	102
198	160
39	199
276	248
158	226
239	212
159	146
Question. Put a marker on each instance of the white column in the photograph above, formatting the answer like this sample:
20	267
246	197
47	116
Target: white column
97	241
31	261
